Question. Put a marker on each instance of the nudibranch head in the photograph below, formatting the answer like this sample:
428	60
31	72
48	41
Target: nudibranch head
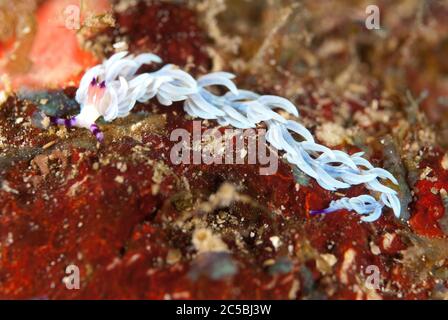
98	100
96	95
108	88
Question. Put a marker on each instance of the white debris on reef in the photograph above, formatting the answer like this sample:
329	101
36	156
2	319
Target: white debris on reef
205	241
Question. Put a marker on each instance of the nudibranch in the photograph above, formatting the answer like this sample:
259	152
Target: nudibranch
111	89
105	91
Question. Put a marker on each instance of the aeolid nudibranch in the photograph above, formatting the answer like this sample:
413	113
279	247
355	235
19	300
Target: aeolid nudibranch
111	89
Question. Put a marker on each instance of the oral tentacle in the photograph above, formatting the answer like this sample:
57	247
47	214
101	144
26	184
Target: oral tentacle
95	130
69	123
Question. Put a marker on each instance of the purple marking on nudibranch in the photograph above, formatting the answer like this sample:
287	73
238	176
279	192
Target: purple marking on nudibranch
323	211
97	132
63	122
95	82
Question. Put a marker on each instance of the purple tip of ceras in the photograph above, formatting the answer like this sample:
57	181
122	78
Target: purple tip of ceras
95	82
323	211
97	132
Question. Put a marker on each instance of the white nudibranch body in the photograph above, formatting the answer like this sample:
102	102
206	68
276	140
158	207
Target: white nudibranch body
111	90
106	90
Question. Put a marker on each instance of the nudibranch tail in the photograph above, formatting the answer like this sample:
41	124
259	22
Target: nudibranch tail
112	89
365	205
322	211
